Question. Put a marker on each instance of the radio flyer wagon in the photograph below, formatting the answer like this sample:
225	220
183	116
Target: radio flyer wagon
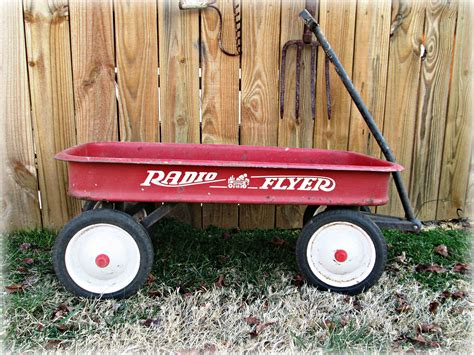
106	251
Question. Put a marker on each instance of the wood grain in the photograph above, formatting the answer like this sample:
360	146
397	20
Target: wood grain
432	107
337	21
19	203
292	132
458	136
220	98
137	62
260	113
369	74
402	89
49	68
178	33
93	63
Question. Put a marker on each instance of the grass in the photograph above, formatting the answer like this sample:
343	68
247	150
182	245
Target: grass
205	283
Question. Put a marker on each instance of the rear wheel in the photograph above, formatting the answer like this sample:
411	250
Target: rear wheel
342	251
103	253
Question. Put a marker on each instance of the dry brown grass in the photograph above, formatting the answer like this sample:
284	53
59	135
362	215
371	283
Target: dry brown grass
304	320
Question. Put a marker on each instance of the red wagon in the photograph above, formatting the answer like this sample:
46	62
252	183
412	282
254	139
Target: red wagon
106	251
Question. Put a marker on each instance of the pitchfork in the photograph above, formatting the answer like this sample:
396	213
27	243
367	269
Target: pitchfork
300	44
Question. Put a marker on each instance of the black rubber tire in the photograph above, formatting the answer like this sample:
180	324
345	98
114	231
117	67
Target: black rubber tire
354	217
110	216
310	211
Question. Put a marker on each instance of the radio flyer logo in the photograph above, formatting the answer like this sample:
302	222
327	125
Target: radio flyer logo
243	181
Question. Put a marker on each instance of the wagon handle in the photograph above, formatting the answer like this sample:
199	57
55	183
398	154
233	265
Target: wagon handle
369	120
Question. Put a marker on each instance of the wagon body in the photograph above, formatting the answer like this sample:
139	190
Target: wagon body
159	172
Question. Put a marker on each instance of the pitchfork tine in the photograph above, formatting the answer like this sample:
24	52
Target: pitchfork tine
328	88
282	79
313	81
298	79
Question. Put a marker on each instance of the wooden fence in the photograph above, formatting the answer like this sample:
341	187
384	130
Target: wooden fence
81	71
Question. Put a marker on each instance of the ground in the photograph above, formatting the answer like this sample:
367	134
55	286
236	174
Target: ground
213	290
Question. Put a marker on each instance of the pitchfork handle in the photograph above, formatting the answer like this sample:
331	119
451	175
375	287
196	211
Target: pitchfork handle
310	6
364	111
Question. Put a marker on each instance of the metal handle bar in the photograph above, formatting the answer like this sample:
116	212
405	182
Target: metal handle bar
369	120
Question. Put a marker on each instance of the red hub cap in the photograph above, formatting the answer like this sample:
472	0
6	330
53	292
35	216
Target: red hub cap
102	260
340	255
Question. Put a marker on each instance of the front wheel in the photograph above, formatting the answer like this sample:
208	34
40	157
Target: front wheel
342	251
103	253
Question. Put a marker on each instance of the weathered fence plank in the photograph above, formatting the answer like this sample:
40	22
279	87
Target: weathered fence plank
220	98
432	107
458	136
337	20
19	184
260	114
402	89
137	62
178	33
294	132
49	68
369	73
93	64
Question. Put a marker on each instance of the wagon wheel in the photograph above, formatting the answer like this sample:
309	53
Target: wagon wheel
313	210
342	251
103	253
138	210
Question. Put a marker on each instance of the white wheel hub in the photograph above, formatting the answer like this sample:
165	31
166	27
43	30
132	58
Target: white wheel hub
102	258
341	254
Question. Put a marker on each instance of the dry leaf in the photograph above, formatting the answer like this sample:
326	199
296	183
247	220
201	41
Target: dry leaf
52	344
419	339
28	261
442	250
25	246
155	293
60	311
21	269
356	304
226	235
461	267
458	295
150	279
403	305
430	268
428	328
151	322
433	307
263	326
220	281
278	241
61	327
211	348
445	294
15	288
344	321
298	280
251	320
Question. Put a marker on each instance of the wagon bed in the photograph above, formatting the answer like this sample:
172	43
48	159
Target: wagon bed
200	173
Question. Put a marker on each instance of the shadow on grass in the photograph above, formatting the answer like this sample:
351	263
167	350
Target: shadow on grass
191	258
